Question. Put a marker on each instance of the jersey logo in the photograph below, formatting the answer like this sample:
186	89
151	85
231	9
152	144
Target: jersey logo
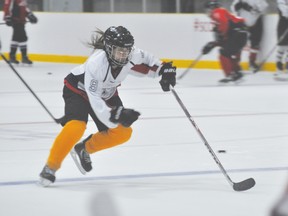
93	85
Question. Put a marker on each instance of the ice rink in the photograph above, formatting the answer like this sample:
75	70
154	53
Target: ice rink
165	169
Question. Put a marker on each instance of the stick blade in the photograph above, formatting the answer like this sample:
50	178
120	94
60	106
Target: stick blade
244	185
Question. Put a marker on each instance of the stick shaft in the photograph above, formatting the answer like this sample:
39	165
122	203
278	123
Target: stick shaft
28	87
201	136
190	66
271	51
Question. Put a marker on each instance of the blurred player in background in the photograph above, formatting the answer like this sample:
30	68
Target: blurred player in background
15	14
91	89
282	35
252	11
281	206
230	36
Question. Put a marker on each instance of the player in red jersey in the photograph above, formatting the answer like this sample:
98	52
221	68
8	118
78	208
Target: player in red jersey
15	14
231	36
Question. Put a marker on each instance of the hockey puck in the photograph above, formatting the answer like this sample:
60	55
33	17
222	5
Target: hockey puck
221	151
49	73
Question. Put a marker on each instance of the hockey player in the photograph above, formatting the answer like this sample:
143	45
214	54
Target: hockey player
91	89
230	36
15	14
252	11
281	206
282	35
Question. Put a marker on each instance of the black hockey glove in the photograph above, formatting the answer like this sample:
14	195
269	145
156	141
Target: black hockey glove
168	73
123	116
208	47
8	20
32	18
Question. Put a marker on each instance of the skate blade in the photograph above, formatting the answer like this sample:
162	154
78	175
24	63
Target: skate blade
26	65
14	64
238	81
77	162
44	182
231	82
224	81
281	78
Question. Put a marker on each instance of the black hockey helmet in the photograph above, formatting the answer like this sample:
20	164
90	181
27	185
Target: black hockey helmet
210	5
118	43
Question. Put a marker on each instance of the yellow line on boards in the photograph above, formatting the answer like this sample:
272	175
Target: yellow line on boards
204	64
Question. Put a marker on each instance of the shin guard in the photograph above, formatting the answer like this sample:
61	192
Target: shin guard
226	64
108	139
236	62
253	56
71	133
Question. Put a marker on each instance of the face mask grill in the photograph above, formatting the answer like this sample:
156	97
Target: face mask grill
120	56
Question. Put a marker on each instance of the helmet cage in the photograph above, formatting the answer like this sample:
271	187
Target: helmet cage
120	56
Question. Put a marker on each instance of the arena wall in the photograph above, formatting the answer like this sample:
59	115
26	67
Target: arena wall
62	37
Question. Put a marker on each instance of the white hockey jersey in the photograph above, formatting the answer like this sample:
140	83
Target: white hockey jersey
258	8
283	7
100	85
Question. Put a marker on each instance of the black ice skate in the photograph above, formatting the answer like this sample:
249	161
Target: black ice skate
26	60
279	68
81	157
47	176
234	77
225	80
13	60
253	67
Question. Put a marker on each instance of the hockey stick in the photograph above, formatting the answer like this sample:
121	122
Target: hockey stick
271	52
190	66
58	121
239	186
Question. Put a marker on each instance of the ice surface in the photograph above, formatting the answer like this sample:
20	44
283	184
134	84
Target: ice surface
164	169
